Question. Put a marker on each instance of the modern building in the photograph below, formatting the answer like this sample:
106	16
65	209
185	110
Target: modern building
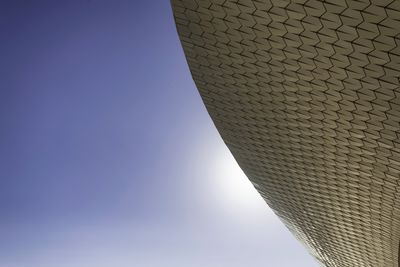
305	93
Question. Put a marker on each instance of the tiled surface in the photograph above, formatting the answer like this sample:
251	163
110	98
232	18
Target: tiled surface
306	95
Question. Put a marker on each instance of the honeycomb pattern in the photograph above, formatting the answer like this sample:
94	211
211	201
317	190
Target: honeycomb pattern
305	93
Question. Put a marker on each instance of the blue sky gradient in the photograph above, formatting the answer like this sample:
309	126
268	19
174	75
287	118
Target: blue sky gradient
107	154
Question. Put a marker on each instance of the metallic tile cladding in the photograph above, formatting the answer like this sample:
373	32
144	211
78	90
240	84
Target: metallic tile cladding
306	95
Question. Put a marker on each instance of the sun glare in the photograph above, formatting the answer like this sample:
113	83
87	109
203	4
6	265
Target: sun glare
236	188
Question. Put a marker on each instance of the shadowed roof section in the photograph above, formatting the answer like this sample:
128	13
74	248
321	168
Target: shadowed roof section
306	96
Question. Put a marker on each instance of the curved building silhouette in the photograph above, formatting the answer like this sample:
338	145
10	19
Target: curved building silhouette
305	93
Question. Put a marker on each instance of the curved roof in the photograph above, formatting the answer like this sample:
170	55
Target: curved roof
305	93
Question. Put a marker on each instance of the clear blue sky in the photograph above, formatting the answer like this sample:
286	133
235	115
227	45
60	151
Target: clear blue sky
107	154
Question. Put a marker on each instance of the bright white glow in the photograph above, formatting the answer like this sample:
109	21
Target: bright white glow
236	189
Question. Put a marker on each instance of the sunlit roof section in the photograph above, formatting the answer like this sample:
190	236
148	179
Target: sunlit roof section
306	96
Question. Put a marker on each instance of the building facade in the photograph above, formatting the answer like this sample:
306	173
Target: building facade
305	93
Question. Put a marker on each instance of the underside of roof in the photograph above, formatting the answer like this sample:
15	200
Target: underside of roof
305	93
